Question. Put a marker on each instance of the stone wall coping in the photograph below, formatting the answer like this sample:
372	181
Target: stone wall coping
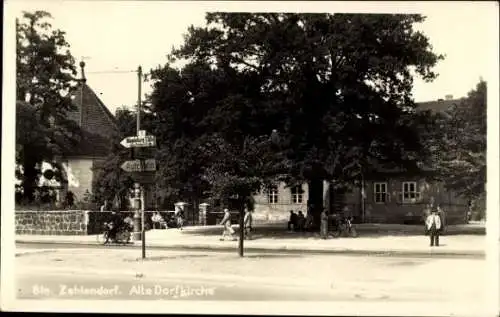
84	211
48	211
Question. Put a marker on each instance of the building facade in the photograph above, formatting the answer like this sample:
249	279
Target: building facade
385	197
98	125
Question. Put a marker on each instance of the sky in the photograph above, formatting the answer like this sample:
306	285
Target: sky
121	35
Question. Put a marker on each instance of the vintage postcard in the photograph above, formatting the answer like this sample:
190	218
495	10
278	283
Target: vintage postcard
298	158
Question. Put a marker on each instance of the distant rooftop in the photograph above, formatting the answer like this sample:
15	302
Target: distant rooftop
440	105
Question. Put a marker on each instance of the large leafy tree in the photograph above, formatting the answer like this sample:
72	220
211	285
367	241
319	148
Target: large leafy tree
210	143
45	78
461	145
337	87
111	182
198	109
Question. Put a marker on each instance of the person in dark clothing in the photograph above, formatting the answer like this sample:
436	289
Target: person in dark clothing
70	199
301	221
116	222
292	223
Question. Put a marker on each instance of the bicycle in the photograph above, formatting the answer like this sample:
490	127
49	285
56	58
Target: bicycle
122	236
345	228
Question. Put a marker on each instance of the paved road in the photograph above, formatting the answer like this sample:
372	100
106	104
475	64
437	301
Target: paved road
222	276
253	251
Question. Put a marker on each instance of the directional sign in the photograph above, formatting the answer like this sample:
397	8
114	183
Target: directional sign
139	141
139	166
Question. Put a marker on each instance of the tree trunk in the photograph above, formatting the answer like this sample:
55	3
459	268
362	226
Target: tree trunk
315	202
30	178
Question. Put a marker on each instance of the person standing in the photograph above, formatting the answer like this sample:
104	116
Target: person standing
179	214
301	221
70	199
248	223
226	222
433	223
292	222
309	222
442	218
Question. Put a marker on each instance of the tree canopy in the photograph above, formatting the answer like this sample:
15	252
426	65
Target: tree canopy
111	183
45	78
461	144
336	87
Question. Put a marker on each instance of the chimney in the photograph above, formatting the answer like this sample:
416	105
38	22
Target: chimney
449	97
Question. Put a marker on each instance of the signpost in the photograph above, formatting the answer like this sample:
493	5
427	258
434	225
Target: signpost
139	166
141	140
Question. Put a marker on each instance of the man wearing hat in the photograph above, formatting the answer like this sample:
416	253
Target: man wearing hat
433	224
226	222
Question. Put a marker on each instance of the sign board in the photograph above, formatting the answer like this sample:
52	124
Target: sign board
144	177
139	141
139	166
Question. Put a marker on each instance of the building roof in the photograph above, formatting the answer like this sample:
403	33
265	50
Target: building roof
96	121
440	105
436	106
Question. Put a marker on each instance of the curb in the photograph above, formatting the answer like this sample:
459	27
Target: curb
284	249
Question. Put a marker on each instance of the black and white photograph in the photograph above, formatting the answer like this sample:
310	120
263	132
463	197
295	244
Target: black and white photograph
295	157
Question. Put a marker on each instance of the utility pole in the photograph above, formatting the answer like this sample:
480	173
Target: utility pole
137	166
139	101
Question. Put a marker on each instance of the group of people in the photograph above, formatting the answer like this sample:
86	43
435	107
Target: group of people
228	229
299	222
157	219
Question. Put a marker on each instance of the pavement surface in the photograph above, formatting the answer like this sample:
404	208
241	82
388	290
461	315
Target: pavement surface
88	273
401	277
403	240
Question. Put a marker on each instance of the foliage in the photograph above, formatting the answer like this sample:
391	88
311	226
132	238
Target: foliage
461	145
111	182
45	78
336	87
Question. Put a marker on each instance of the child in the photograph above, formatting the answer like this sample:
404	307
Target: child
433	224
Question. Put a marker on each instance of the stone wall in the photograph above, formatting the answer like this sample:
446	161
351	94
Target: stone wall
70	222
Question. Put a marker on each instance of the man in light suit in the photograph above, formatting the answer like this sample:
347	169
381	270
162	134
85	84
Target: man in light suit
433	224
226	222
